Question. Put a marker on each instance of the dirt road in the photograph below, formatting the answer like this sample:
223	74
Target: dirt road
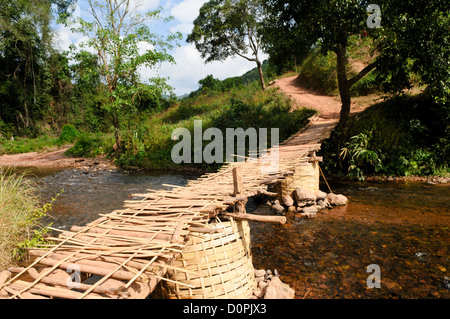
51	159
328	106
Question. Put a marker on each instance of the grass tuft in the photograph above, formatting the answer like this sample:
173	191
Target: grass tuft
20	212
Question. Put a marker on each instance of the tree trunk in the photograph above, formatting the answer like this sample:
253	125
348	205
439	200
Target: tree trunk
27	114
117	147
261	75
343	84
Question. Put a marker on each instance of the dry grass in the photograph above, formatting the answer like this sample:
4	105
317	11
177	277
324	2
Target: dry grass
18	206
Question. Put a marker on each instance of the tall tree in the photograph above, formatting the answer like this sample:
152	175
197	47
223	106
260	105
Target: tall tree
118	32
227	28
285	48
406	29
25	45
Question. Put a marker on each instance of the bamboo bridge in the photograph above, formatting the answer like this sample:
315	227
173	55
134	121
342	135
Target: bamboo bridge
126	253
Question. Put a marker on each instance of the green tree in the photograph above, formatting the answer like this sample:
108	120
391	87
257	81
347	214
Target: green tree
285	48
117	31
409	31
227	28
25	48
209	83
415	39
90	92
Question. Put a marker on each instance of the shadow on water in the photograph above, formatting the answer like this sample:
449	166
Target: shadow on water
401	227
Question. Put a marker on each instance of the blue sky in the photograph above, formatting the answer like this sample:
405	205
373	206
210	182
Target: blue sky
190	67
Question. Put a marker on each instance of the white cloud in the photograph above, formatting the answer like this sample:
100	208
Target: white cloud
190	68
185	28
185	13
143	6
64	36
187	10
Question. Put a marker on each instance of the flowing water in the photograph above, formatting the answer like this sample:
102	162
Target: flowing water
81	195
403	227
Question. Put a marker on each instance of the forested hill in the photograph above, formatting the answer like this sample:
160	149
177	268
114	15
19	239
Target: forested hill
211	83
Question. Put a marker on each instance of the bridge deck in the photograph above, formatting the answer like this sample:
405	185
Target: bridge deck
125	254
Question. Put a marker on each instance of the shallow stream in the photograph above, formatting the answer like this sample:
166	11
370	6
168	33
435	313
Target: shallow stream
402	227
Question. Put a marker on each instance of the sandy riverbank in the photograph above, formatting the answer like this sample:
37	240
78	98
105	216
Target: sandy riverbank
52	159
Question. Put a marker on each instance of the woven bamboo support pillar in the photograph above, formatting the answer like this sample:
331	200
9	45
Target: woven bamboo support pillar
306	175
222	261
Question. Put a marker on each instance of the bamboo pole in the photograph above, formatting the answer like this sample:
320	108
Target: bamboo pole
56	265
101	290
57	292
55	247
121	275
134	278
258	218
24	295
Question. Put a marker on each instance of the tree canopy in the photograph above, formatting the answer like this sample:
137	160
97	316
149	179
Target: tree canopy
413	36
25	60
227	28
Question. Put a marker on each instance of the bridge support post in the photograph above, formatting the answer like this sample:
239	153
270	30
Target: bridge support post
305	175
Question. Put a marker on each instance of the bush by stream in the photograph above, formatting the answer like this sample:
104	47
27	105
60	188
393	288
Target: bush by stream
402	136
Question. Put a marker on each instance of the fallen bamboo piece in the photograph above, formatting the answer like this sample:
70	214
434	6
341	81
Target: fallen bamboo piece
258	218
177	233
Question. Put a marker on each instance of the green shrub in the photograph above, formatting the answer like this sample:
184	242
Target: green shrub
318	72
25	145
367	85
149	144
401	136
91	145
68	135
360	157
